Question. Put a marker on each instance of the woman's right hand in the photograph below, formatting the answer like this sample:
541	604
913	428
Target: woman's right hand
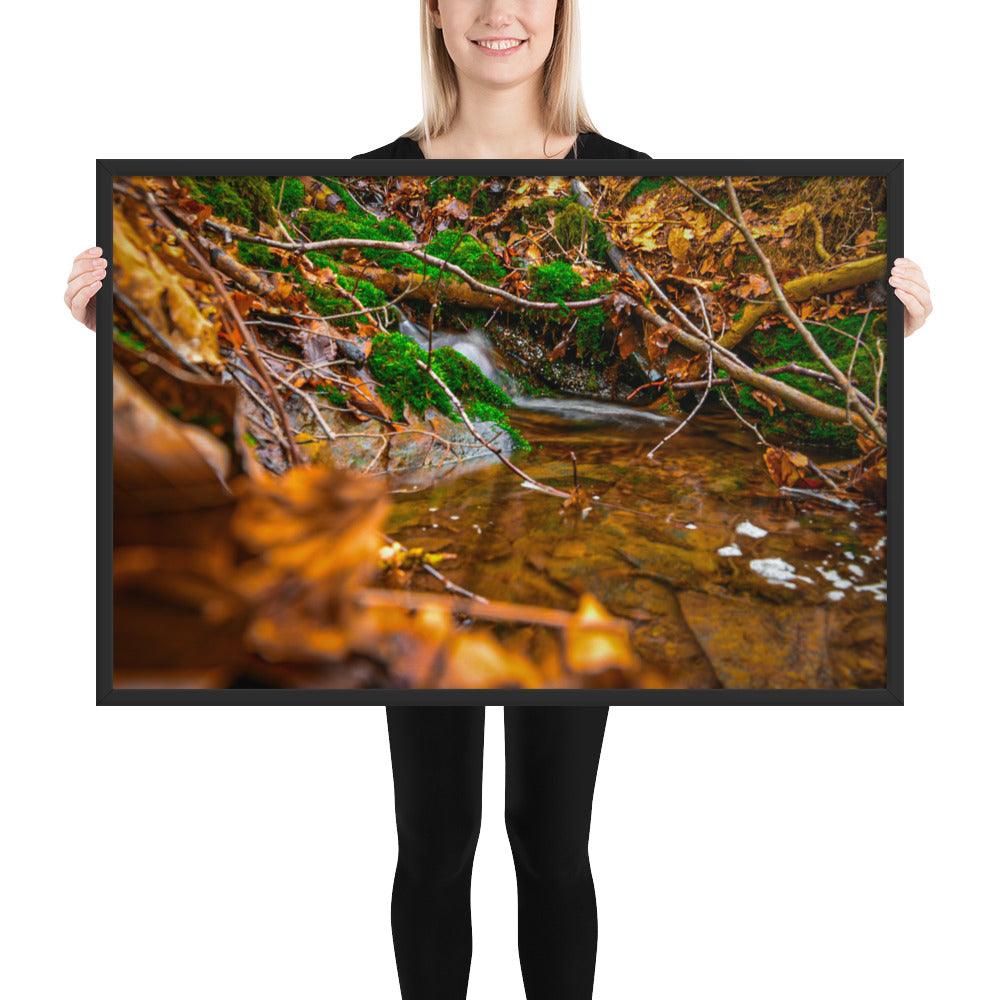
85	278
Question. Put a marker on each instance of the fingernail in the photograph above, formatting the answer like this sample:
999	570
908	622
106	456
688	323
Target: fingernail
94	251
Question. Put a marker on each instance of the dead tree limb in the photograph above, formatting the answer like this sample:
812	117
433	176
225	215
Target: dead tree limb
804	332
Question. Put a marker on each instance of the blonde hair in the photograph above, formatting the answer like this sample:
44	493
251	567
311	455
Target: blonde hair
563	109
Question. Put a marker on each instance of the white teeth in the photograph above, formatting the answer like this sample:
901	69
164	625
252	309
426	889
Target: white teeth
499	46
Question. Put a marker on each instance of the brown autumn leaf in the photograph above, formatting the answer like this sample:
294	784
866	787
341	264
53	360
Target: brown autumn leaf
314	526
873	481
767	401
477	660
165	299
578	499
866	443
679	242
595	640
628	340
786	467
686	368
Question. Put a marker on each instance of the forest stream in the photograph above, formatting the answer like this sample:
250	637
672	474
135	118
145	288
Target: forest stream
725	579
641	441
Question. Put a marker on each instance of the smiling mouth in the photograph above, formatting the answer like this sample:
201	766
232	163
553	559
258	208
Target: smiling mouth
498	45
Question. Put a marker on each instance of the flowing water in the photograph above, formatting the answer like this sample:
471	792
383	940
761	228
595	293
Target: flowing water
724	580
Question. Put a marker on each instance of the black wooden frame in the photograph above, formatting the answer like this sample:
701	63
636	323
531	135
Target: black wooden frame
892	694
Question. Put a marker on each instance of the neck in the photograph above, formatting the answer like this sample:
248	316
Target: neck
499	123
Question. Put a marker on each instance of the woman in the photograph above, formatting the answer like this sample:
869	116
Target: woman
501	79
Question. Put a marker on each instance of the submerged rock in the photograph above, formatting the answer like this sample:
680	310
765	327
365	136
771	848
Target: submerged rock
440	442
432	444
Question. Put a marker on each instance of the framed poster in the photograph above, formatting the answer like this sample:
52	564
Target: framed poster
509	432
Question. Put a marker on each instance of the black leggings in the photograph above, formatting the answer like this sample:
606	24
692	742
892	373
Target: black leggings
437	765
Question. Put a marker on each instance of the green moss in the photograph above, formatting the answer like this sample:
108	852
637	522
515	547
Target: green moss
322	260
554	282
369	295
645	185
538	211
245	200
333	396
597	243
479	410
255	255
468	253
792	425
558	282
471	190
325	299
572	221
466	380
782	343
362	225
289	193
392	362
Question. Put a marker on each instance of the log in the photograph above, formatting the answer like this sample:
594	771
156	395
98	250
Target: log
849	275
788	394
422	288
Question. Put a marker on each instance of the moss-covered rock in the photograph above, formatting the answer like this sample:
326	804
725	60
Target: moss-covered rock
458	247
780	345
558	282
402	382
322	225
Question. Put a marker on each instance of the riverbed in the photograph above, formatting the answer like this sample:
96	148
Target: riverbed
724	580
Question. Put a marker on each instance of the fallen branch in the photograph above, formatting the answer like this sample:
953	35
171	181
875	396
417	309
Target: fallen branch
849	275
804	332
742	372
415	249
708	385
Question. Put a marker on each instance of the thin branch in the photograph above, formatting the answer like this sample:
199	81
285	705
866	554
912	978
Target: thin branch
416	249
793	316
710	357
249	340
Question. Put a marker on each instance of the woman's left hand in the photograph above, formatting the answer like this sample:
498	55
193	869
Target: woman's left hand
911	289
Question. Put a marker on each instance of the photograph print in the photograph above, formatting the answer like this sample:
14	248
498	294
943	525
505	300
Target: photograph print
389	434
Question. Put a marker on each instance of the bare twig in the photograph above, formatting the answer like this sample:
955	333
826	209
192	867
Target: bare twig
710	358
249	340
417	250
786	307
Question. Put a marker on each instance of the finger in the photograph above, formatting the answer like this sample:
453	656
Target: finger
87	265
913	306
914	288
78	303
911	272
904	264
89	252
81	281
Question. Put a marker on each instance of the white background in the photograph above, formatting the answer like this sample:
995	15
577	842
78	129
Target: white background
738	853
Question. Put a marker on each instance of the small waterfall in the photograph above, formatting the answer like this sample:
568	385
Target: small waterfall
591	410
472	344
476	346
